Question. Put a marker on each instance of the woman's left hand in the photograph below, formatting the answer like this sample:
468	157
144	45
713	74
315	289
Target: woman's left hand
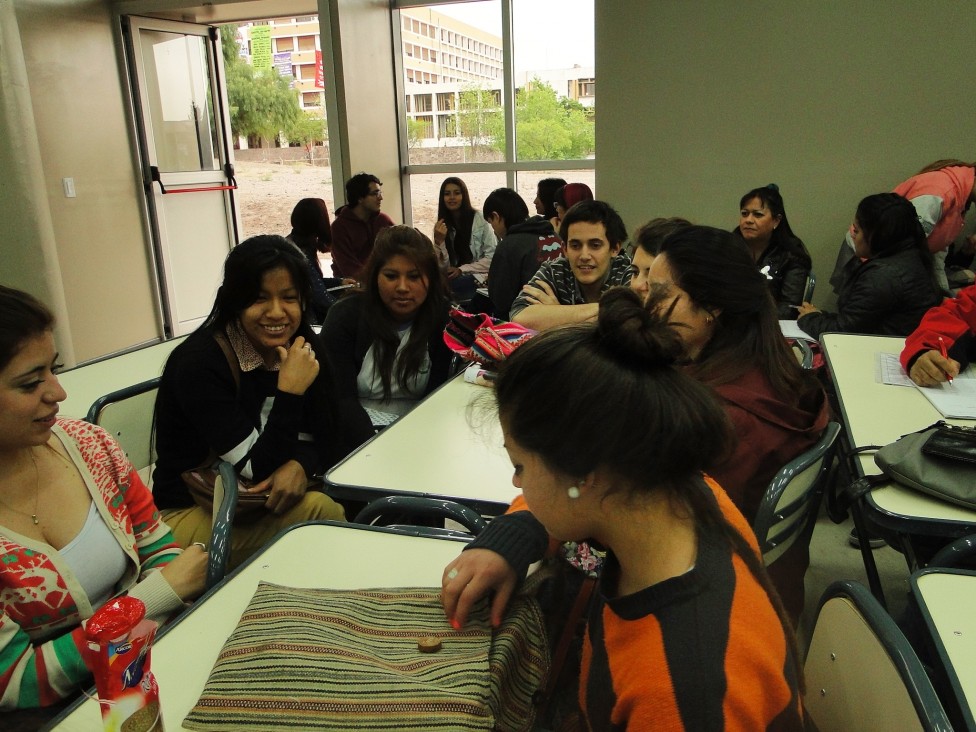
805	309
287	485
187	573
452	272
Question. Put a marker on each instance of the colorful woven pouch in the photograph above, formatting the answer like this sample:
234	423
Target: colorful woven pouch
305	659
483	339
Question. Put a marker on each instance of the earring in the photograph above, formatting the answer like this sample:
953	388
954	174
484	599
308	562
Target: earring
573	492
708	319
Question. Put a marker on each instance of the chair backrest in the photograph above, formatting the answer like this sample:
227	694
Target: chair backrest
803	352
400	512
127	414
789	507
222	521
861	672
811	286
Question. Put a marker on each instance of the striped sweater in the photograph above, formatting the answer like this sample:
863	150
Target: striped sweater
42	604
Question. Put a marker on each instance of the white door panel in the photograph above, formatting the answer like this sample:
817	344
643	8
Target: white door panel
187	163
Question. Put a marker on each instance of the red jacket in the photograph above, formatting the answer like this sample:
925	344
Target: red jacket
952	320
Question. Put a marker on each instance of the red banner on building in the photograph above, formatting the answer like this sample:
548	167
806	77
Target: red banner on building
319	74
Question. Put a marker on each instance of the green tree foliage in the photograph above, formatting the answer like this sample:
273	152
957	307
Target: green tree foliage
261	104
307	129
417	130
480	119
551	129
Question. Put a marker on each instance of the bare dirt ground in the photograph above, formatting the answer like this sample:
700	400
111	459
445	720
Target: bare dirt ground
267	192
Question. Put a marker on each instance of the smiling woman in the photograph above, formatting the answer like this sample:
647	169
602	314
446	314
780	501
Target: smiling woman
386	341
252	386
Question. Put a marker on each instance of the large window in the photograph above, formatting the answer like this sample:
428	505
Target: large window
513	86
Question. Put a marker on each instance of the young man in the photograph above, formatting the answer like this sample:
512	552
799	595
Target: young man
523	245
357	224
568	289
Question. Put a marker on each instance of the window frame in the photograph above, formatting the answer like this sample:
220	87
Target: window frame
510	165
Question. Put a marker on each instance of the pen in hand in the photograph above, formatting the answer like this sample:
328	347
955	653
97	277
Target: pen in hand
945	355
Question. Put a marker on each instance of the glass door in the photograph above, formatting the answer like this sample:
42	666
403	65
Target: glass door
187	162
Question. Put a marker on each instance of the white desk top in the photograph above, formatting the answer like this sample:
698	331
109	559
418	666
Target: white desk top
948	599
87	383
312	555
876	414
440	449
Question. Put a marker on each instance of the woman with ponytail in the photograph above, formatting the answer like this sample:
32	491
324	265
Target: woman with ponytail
894	283
609	442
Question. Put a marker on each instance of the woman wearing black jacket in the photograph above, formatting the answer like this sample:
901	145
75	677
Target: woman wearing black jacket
890	291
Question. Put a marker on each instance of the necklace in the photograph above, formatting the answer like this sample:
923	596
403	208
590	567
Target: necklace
37	486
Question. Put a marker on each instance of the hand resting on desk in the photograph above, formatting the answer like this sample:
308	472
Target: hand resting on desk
472	576
932	368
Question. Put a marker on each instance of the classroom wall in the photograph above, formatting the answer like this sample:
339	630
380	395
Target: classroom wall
92	246
699	102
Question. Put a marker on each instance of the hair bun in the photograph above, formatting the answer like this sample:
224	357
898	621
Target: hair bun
634	334
773	187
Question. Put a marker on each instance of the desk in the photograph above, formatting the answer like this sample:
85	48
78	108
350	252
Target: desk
946	599
437	450
876	414
185	652
85	384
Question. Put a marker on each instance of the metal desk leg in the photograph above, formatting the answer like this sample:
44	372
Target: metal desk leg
867	554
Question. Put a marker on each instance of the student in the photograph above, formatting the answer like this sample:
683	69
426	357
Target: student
944	342
77	524
545	197
647	241
386	343
312	233
357	224
567	197
893	284
941	192
567	289
779	255
463	239
685	631
252	386
524	244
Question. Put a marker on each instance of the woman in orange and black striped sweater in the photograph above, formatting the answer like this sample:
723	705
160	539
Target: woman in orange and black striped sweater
609	442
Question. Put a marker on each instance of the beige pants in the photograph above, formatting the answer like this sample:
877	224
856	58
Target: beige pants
193	524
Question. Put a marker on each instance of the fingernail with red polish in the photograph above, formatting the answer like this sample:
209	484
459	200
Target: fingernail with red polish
455	624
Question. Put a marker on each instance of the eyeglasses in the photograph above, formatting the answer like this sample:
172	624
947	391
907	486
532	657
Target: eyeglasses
375	193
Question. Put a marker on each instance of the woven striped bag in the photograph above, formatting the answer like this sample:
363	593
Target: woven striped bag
303	659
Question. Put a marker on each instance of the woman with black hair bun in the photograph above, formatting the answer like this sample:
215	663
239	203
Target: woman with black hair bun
253	386
609	442
778	253
894	282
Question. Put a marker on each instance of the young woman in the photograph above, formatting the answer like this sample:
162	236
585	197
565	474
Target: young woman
312	233
778	253
567	197
648	240
252	386
463	239
386	343
77	525
685	632
894	283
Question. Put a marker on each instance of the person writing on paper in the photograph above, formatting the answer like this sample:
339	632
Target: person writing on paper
944	342
386	343
619	461
253	386
77	524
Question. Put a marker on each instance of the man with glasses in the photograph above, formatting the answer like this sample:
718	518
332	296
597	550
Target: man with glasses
357	224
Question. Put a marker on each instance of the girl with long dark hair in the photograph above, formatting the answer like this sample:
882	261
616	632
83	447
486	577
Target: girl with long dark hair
464	241
386	342
252	386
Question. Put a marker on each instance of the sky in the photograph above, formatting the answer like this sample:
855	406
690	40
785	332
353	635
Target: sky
549	34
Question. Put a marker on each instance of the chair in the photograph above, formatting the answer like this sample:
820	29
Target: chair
810	287
225	504
127	414
960	552
788	510
392	511
803	352
861	673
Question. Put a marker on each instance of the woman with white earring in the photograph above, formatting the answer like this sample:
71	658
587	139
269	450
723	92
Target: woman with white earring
619	459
